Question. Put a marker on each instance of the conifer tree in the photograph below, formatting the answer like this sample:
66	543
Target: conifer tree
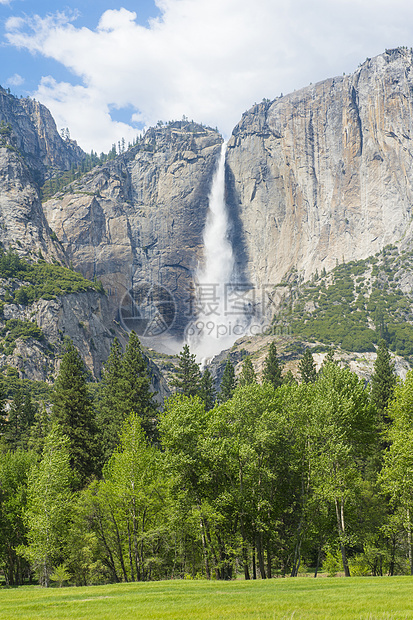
20	419
272	367
228	383
289	378
329	358
110	411
134	394
383	380
72	413
247	376
306	368
3	415
39	430
207	390
188	375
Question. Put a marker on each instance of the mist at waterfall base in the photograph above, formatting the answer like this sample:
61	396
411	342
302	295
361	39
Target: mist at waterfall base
220	314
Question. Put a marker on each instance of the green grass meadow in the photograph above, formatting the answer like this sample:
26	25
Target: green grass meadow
360	598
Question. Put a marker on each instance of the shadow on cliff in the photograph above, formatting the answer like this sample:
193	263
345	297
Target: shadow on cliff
236	232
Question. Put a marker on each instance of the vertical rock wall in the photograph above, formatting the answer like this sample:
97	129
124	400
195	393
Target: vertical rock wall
324	174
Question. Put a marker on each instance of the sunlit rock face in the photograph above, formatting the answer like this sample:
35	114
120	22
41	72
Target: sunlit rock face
324	174
36	136
140	218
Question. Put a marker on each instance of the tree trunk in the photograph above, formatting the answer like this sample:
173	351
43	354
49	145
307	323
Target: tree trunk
119	545
409	541
260	555
341	534
130	553
393	556
318	560
205	550
269	569
254	565
245	551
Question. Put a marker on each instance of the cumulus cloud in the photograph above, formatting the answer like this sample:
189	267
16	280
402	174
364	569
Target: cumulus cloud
206	59
15	80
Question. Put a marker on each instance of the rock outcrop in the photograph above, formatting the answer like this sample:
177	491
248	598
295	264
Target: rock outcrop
22	221
35	135
324	174
140	218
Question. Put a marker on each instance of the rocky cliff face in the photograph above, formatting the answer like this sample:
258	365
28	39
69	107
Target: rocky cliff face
140	218
22	221
35	135
324	174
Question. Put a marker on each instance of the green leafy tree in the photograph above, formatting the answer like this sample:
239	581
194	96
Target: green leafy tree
183	430
188	376
72	412
207	389
14	470
397	474
272	367
228	383
253	452
247	375
383	380
343	430
48	506
133	491
306	368
60	574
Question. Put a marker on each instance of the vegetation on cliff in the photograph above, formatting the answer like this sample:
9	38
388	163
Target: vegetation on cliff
356	305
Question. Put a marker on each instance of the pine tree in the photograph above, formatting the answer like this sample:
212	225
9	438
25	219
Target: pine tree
247	376
207	390
306	368
20	419
40	429
383	380
72	413
3	414
228	383
289	378
272	367
329	358
188	375
134	394
110	411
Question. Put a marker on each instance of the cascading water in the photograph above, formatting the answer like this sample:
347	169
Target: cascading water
218	322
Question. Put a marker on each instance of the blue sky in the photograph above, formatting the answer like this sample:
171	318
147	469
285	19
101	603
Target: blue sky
31	68
106	68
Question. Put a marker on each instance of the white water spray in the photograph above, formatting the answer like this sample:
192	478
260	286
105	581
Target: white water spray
218	324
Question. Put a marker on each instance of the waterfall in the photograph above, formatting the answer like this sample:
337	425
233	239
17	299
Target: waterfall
218	323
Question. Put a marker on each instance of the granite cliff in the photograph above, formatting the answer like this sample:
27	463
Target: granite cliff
139	218
324	174
318	177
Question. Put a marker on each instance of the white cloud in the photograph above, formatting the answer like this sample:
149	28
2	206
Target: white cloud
207	59
15	80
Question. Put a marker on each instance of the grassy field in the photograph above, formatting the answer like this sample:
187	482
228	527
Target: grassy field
360	598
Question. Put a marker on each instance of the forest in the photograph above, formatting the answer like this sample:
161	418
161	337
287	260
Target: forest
270	477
